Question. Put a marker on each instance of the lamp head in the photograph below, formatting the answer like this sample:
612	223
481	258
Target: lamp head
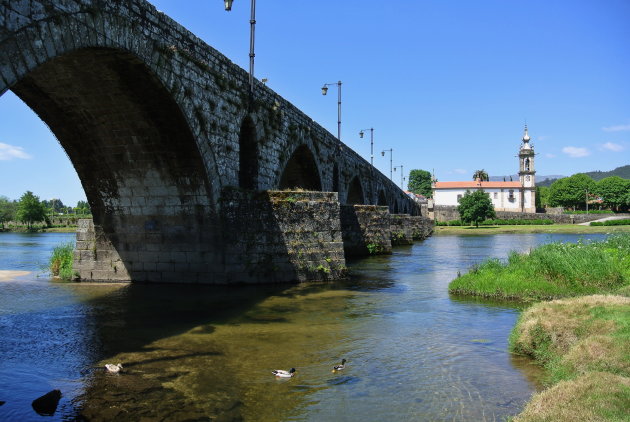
324	90
228	5
361	134
382	153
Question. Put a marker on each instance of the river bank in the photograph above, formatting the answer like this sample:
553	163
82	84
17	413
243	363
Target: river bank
583	342
553	228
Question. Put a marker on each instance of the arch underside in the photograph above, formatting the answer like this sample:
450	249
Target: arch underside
301	171
134	153
355	192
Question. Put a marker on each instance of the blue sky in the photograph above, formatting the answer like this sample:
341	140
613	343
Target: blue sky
447	84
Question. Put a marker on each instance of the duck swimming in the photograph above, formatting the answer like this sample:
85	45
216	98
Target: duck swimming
114	369
280	373
340	367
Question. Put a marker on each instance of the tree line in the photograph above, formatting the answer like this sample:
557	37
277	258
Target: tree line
575	191
29	209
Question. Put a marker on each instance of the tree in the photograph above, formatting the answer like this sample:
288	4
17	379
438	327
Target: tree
571	191
420	182
542	196
614	191
30	209
475	207
482	175
7	210
83	208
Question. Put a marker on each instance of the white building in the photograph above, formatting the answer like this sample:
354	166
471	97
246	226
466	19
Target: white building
506	196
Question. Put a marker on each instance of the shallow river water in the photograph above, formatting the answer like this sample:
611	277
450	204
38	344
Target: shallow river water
206	352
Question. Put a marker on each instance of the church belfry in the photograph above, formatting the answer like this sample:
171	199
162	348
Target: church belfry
526	172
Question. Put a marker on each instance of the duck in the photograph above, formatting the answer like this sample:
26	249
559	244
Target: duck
281	373
114	369
340	367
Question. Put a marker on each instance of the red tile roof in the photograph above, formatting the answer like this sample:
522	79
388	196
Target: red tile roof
475	184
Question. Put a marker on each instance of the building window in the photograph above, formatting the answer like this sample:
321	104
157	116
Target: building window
511	195
496	195
459	197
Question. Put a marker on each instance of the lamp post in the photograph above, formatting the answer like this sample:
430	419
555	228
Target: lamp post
361	133
402	178
391	152
324	92
252	28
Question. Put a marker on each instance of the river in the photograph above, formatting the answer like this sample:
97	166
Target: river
206	352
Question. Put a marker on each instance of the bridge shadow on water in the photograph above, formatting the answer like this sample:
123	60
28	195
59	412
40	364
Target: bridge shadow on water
163	336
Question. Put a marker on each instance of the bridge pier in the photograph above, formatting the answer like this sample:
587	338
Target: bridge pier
365	230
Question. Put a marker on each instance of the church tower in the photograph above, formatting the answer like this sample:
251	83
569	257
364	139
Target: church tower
527	174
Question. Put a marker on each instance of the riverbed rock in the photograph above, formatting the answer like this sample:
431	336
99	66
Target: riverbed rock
46	405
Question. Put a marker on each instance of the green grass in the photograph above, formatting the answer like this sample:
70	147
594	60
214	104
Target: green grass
552	271
60	263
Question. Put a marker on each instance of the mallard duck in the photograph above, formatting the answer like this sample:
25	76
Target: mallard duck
110	367
340	367
280	373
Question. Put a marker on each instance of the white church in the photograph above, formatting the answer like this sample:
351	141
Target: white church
506	196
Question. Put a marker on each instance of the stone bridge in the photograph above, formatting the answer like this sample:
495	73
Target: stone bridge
189	179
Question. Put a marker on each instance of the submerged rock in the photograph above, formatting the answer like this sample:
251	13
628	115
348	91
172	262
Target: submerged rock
46	405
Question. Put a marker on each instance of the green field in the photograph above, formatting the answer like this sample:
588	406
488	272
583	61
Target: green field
555	228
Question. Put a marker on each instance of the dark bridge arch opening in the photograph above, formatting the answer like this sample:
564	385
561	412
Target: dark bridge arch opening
355	192
382	200
301	171
248	155
335	178
134	153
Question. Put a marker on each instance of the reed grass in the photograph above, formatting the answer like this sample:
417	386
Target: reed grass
60	263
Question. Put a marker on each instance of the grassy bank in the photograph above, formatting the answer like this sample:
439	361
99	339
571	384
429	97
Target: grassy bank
552	271
582	341
555	228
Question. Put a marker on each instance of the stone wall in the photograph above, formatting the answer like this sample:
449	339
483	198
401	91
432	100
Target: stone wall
422	227
365	230
95	258
447	213
282	236
401	229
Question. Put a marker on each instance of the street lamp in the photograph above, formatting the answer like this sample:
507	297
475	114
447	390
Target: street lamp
324	92
252	27
361	133
391	152
402	178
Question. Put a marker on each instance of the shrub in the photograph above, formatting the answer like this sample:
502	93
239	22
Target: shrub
623	222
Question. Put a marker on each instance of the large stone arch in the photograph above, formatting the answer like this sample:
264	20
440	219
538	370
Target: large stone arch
355	192
135	156
301	171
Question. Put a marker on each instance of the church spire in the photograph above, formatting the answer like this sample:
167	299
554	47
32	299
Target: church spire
526	135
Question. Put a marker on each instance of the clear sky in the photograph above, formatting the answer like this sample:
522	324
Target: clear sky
447	84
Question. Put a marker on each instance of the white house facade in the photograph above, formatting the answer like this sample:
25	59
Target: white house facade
505	196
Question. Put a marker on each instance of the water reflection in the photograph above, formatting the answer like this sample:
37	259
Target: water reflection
203	352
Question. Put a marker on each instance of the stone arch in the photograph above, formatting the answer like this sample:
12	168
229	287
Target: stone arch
248	155
382	200
133	150
355	192
301	171
335	178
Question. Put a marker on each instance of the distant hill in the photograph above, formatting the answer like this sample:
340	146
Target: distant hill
623	172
